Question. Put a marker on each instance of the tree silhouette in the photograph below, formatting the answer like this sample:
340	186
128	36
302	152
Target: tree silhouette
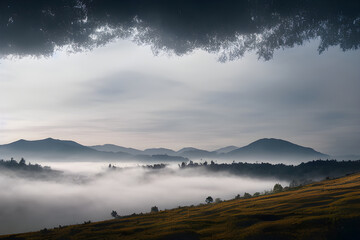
277	188
256	194
154	209
22	161
209	199
114	214
229	29
247	195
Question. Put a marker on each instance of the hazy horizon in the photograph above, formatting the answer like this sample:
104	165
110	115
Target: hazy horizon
341	156
142	149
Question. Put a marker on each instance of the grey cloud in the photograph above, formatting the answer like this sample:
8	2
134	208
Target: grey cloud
127	86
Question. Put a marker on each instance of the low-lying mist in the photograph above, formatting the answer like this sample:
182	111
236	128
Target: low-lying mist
29	204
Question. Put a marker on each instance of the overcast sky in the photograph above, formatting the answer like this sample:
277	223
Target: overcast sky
123	94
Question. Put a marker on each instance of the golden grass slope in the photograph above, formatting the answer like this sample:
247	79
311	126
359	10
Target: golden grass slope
325	210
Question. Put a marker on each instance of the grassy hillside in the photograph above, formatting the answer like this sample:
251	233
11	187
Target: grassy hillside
325	210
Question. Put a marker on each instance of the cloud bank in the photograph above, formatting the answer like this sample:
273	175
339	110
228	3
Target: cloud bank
30	204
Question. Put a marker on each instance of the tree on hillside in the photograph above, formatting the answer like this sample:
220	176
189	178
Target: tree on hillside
22	161
209	199
293	184
277	188
154	209
247	195
114	214
256	194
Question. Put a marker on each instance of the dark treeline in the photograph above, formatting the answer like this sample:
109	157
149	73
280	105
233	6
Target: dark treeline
154	166
312	170
21	165
27	169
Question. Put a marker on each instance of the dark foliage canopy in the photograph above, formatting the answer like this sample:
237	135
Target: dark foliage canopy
228	28
312	170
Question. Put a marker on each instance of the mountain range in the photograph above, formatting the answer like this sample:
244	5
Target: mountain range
266	149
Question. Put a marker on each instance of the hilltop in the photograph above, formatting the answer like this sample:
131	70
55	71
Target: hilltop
322	210
50	148
271	148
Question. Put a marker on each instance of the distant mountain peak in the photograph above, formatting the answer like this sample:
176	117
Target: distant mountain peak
226	149
275	143
185	149
275	148
267	140
159	148
159	151
45	147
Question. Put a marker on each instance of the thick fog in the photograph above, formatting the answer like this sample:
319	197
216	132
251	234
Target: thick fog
90	191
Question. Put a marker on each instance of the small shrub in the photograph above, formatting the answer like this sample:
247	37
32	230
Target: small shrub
256	194
247	195
277	188
114	214
154	209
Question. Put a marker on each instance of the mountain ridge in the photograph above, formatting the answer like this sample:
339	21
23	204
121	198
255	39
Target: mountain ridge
265	148
272	147
115	148
226	149
50	148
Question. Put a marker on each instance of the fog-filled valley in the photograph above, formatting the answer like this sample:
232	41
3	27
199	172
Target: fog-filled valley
46	194
90	191
62	182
